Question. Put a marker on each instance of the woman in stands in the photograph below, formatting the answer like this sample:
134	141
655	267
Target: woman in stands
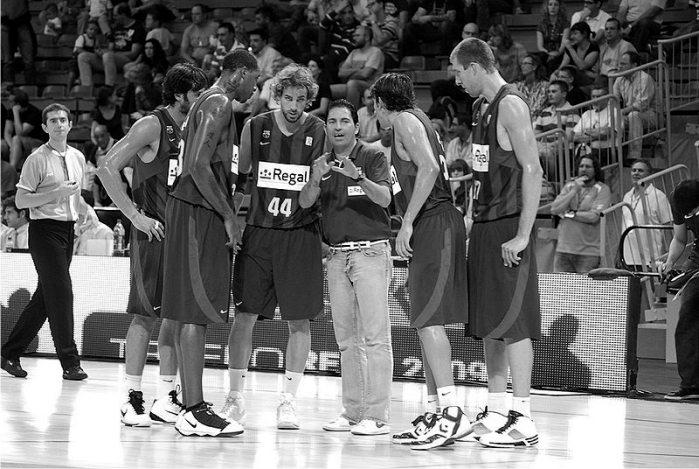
508	53
106	112
550	31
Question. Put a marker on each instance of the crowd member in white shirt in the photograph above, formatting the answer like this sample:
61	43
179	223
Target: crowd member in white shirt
594	129
595	17
459	146
657	213
613	49
17	221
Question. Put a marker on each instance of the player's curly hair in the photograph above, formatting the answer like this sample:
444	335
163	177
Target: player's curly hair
294	75
396	90
181	79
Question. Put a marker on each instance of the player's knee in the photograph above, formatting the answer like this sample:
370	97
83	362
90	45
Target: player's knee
300	326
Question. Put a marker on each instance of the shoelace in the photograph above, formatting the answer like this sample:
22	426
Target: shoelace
136	401
173	397
482	415
511	420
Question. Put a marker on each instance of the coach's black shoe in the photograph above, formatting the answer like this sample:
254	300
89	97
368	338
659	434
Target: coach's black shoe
680	395
13	367
74	373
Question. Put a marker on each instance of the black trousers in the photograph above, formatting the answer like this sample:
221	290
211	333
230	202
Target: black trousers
51	248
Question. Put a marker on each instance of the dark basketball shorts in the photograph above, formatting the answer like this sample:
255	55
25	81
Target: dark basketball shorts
503	301
197	276
282	267
146	294
437	270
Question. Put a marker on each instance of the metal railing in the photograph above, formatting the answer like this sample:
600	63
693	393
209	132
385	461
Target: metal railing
657	70
682	78
562	145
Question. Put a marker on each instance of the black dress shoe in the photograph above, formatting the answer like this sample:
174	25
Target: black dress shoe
683	394
13	367
74	373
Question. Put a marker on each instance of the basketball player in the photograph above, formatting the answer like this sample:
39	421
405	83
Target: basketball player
506	187
433	237
151	147
200	229
280	261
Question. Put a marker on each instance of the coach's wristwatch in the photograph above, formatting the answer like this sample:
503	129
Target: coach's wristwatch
360	176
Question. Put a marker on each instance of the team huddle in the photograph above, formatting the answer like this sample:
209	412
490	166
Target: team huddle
318	193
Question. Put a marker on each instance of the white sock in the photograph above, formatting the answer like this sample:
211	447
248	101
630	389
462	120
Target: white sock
522	405
497	402
166	383
133	382
432	403
291	382
236	377
447	396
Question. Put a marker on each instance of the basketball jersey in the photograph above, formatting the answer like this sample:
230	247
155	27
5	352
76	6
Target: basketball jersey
224	162
497	175
281	166
152	181
405	172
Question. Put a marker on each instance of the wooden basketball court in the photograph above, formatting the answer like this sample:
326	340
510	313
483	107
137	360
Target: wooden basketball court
49	422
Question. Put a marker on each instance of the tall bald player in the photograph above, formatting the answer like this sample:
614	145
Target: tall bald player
200	230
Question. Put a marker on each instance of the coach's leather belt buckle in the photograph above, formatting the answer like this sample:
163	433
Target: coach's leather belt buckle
355	245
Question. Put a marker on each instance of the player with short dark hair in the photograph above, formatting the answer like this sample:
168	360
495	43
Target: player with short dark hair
151	148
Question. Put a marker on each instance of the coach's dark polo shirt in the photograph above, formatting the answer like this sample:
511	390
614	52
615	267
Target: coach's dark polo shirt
348	213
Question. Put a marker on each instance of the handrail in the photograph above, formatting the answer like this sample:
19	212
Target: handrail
603	228
672	40
561	155
628	231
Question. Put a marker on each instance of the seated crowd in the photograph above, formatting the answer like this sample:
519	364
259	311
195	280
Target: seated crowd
348	44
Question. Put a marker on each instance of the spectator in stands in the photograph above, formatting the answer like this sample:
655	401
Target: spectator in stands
362	66
224	43
265	54
319	106
582	54
575	94
368	131
51	22
459	146
17	35
69	11
156	30
317	10
508	53
594	134
23	131
197	38
448	87
458	169
338	26
18	221
97	10
385	30
534	84
642	20
279	37
383	144
107	113
95	153
658	213
579	205
612	49
153	56
550	31
126	44
8	179
685	217
434	21
86	230
166	9
636	92
595	17
143	93
548	120
86	42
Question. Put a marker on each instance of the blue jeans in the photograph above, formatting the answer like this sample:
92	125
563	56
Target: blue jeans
575	263
358	286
